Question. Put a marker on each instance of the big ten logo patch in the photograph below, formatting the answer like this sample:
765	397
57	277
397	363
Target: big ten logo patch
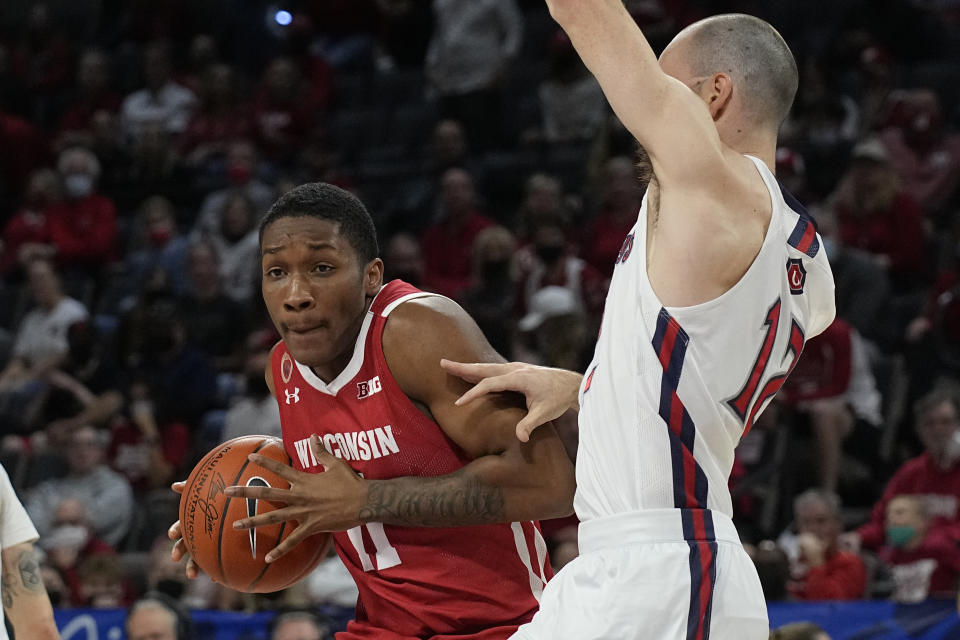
368	388
796	275
286	367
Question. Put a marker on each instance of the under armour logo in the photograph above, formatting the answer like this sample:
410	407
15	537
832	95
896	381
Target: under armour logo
293	398
255	481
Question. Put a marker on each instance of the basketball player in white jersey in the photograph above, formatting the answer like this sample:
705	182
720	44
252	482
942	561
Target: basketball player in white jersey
25	602
715	291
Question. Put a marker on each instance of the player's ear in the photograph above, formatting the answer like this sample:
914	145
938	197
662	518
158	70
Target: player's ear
373	276
719	90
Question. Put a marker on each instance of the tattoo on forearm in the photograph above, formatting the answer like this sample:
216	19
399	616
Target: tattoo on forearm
9	587
21	576
30	571
455	500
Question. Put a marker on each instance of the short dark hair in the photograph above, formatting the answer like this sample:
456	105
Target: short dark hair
327	202
753	53
944	390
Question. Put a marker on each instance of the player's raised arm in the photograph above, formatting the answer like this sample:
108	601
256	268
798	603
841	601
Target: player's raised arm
719	84
508	480
671	122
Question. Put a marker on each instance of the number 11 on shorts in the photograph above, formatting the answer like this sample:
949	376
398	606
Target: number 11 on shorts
386	555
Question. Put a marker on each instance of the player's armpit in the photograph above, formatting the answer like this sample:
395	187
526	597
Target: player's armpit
535	479
25	600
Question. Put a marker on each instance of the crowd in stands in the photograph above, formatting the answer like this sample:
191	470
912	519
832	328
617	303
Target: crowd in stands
140	144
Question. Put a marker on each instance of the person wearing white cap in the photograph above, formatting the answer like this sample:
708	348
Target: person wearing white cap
554	331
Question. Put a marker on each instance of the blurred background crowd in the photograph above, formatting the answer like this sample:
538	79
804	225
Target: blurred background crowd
141	142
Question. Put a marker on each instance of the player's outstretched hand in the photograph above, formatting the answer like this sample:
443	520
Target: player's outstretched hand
549	392
179	548
318	502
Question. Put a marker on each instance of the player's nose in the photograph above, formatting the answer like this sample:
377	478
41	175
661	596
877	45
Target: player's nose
298	295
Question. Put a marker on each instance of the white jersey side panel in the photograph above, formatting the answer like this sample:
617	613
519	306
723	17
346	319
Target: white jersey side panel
671	391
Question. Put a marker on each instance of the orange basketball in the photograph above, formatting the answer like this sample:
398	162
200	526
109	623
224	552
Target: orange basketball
236	558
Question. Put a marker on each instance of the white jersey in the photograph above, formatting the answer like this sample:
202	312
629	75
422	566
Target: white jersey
671	391
15	525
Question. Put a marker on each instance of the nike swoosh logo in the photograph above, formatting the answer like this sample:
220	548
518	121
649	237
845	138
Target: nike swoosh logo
255	481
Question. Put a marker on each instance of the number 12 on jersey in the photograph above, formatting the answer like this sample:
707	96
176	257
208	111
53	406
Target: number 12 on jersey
747	404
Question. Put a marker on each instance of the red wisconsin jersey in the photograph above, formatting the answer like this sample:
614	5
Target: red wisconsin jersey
477	582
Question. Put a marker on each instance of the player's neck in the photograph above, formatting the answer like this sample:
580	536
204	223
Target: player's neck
752	141
328	372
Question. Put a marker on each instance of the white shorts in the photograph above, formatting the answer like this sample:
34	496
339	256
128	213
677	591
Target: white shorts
638	577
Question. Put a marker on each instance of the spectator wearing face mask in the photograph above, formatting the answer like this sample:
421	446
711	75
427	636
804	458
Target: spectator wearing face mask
241	176
922	149
924	562
159	245
84	225
549	262
69	541
933	476
403	260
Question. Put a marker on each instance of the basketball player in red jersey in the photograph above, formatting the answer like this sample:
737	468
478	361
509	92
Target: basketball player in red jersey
432	505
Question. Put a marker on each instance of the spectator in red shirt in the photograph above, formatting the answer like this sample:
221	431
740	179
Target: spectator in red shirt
447	244
819	570
92	94
924	562
27	234
148	451
874	214
84	226
934	475
923	152
834	387
622	194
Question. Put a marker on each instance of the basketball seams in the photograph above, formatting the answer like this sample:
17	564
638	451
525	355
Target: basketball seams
266	567
226	510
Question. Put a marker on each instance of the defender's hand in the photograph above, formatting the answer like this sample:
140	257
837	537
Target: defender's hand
549	392
179	548
317	502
